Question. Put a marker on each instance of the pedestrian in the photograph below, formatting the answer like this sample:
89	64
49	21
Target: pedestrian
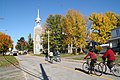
93	58
55	55
51	55
109	54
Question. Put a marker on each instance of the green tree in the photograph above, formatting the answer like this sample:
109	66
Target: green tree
45	36
53	23
21	44
30	43
5	43
102	24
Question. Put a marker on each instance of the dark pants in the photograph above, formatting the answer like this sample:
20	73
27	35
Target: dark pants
50	57
110	64
92	64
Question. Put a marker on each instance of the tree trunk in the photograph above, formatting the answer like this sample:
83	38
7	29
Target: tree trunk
71	46
3	53
81	50
76	50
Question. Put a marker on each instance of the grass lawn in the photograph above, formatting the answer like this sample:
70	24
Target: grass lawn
5	63
81	57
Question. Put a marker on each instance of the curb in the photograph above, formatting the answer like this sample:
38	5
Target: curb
71	60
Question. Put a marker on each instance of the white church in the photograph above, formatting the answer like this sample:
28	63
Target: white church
38	46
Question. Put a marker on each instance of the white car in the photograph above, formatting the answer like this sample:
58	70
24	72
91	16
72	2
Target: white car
7	53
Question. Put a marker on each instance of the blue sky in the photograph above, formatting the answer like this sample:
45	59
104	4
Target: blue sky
19	15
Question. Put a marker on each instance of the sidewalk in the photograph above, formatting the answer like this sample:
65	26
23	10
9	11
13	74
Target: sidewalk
11	73
72	60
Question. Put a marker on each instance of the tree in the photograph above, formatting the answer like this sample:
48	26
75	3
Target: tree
30	43
118	20
45	36
53	23
102	24
75	29
5	43
21	44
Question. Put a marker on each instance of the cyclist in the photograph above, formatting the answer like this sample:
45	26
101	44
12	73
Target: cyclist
58	53
55	55
51	55
109	54
93	59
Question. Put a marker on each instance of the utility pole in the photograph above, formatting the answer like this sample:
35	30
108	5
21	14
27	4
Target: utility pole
48	42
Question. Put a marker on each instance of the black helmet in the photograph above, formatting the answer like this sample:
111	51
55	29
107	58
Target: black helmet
108	47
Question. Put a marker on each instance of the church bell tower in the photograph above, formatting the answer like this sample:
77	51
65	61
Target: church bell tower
38	47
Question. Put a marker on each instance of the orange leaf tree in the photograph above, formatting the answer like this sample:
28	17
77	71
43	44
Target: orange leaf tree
76	29
5	42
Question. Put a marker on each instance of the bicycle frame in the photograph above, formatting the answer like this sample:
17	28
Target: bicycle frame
97	68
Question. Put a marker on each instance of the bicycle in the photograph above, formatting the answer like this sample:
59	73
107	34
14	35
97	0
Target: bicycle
97	68
57	59
115	69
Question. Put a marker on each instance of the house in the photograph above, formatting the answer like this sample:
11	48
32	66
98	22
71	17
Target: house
115	40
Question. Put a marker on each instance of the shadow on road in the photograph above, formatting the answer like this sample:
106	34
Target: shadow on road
106	73
25	70
81	70
88	73
45	77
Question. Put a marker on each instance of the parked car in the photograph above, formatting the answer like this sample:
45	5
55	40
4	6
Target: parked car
7	53
15	53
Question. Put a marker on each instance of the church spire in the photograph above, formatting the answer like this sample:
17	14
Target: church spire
37	20
38	13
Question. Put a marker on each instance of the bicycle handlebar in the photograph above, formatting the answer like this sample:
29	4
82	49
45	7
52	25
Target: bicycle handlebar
88	58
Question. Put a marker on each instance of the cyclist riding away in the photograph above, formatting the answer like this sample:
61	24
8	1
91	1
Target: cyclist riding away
93	59
109	54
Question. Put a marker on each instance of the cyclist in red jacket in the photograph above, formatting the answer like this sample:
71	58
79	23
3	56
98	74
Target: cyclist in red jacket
109	54
93	59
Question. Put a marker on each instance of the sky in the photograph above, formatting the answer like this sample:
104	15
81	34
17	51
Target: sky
17	17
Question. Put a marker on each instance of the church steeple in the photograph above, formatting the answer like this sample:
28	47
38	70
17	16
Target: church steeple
38	44
38	13
37	20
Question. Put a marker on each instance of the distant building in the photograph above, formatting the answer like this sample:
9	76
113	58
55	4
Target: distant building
115	40
38	46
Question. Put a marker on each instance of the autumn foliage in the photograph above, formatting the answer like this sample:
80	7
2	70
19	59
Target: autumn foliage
76	29
102	24
5	42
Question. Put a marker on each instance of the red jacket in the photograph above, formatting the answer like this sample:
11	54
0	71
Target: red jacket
109	54
92	55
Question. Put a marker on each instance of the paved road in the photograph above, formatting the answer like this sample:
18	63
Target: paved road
36	68
11	73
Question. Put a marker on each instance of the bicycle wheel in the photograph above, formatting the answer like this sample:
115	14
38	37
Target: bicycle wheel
51	61
104	66
116	70
58	59
98	70
85	67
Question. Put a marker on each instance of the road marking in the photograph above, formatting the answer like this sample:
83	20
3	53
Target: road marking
106	78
